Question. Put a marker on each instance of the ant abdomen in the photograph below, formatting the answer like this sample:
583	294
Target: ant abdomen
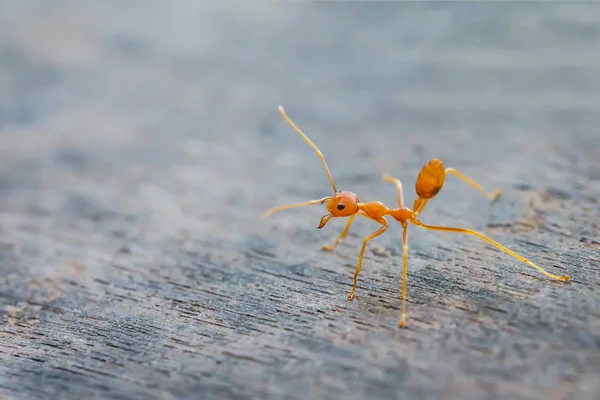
430	179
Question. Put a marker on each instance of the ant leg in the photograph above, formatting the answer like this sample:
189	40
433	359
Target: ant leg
383	222
490	196
390	179
405	251
273	210
342	235
564	278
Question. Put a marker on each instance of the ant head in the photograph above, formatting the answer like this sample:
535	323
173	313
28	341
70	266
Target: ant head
342	204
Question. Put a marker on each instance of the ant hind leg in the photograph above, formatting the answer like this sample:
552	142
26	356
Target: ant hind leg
564	278
490	196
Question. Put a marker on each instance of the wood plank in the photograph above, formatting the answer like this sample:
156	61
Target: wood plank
140	147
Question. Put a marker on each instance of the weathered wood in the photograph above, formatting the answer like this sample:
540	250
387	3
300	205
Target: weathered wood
140	146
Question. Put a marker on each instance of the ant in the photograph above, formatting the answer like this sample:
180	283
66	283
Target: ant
428	184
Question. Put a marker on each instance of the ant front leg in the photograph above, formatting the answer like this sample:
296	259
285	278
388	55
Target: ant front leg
342	235
383	222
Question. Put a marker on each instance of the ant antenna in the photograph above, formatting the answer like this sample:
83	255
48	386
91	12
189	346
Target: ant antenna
289	121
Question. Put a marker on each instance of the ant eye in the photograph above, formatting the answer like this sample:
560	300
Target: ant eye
341	206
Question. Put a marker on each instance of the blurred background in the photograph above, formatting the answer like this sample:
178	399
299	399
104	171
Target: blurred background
378	86
155	123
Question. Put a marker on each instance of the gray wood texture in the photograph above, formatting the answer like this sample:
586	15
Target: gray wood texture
140	144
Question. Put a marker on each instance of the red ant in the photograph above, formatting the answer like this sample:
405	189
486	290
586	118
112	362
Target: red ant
429	183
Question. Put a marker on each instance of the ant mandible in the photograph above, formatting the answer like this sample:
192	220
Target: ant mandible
429	183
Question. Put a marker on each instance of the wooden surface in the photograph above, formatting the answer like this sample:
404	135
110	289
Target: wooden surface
140	144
